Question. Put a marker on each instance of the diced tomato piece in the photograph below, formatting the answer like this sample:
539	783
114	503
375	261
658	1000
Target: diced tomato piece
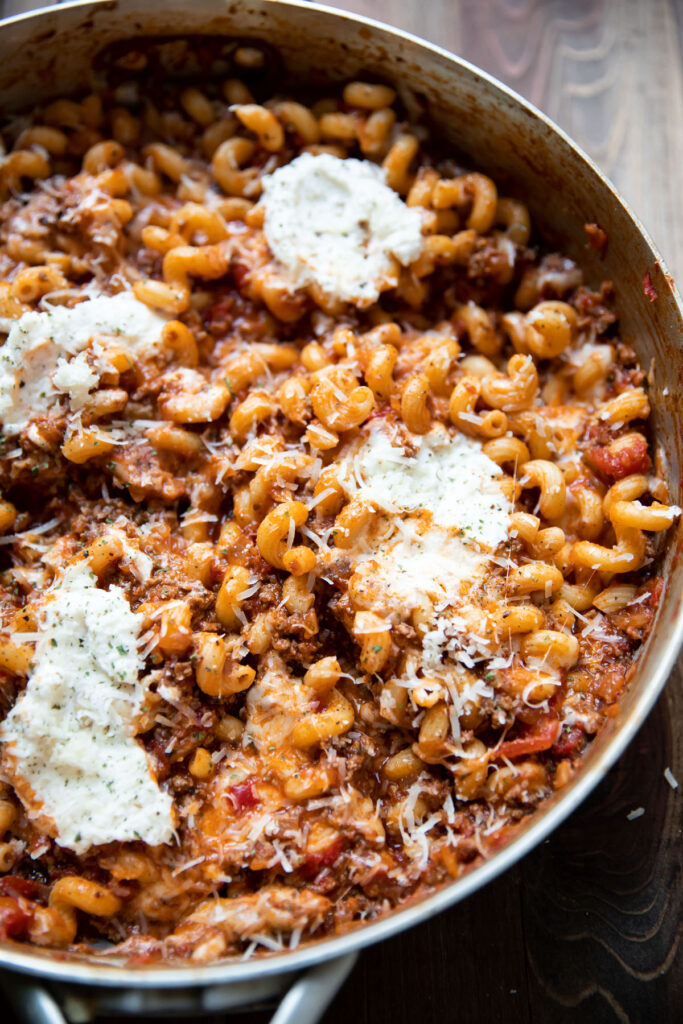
14	919
240	273
242	796
567	741
537	737
324	858
616	465
13	885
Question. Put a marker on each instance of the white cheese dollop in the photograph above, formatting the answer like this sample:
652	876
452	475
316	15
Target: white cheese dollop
440	514
69	744
417	560
43	356
336	224
448	475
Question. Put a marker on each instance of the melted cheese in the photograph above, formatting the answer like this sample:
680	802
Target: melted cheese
336	224
440	515
447	475
69	744
417	560
275	703
44	354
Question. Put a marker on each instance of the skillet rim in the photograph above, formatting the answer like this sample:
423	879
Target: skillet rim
83	969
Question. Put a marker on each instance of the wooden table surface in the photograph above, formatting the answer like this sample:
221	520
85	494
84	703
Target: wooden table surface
586	928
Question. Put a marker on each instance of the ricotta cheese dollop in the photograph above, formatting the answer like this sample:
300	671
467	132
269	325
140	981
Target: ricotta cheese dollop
69	744
336	224
44	354
440	514
445	474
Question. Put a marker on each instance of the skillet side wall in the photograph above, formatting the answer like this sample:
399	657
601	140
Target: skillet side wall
51	54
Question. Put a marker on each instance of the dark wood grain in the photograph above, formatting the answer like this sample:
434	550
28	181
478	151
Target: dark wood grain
601	902
587	928
610	72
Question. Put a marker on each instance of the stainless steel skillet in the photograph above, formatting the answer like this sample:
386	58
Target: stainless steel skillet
50	53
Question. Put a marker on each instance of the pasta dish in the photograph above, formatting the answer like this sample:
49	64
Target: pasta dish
330	518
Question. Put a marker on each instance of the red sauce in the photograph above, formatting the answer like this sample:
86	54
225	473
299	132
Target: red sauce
12	885
568	741
628	460
537	737
14	919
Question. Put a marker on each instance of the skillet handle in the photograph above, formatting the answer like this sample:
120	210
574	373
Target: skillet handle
309	997
305	1001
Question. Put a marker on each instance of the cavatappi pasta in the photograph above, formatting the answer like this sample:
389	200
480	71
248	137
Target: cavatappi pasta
317	578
